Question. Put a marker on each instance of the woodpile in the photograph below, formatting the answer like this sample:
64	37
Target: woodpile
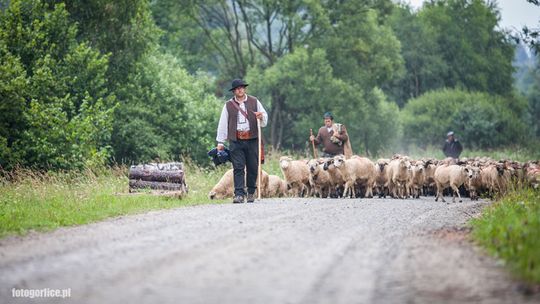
155	176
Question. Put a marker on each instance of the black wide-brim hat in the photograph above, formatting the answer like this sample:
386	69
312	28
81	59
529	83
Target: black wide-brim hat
237	83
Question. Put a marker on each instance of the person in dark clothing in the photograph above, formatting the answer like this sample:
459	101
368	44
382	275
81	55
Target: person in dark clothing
452	147
238	126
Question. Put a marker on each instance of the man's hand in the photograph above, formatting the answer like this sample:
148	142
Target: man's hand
259	115
311	138
220	147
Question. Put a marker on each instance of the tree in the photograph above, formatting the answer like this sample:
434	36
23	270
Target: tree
55	88
478	56
305	82
480	120
122	28
165	114
361	50
533	97
424	65
531	36
246	33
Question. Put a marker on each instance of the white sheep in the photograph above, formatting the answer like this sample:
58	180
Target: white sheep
452	176
417	177
276	187
296	173
225	186
356	170
397	176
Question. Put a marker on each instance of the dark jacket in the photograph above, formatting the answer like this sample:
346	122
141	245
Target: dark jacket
452	148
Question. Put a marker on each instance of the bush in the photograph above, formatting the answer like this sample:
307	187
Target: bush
56	108
480	120
165	113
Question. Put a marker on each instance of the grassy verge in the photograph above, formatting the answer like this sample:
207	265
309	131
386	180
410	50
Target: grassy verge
510	230
31	200
44	201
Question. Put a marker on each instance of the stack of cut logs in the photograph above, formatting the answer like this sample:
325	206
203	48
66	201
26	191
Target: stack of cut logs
165	177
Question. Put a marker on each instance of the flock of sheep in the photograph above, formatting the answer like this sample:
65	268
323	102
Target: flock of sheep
399	177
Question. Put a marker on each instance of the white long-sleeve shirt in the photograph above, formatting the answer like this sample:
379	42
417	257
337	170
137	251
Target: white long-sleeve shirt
242	124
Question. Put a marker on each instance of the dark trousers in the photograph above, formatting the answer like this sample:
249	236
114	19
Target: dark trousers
245	155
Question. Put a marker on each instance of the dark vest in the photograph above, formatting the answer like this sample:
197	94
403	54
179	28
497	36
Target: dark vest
251	107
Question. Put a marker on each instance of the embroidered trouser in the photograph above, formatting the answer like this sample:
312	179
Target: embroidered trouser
245	156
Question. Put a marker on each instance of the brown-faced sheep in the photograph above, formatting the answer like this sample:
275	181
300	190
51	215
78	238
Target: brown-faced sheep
319	179
493	177
338	183
381	179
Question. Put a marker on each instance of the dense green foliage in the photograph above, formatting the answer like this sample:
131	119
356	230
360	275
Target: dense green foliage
56	107
102	81
73	98
164	113
481	120
509	230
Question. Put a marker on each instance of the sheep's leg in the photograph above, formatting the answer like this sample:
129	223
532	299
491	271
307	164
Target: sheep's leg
407	192
394	190
299	190
369	191
456	191
350	190
346	190
400	190
440	193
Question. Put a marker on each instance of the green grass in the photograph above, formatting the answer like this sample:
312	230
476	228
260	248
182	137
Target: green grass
510	230
31	200
45	201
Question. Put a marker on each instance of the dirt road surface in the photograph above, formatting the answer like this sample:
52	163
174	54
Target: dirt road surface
273	251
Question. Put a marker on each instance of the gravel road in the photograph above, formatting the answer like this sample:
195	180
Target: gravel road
273	251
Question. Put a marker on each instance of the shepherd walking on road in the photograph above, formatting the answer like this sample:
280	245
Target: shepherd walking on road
238	126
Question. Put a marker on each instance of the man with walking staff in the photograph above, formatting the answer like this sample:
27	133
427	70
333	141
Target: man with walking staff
238	124
333	137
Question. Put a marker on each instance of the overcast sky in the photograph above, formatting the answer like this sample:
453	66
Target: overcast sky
514	13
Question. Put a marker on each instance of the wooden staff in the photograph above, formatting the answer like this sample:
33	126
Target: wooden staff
259	171
313	144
